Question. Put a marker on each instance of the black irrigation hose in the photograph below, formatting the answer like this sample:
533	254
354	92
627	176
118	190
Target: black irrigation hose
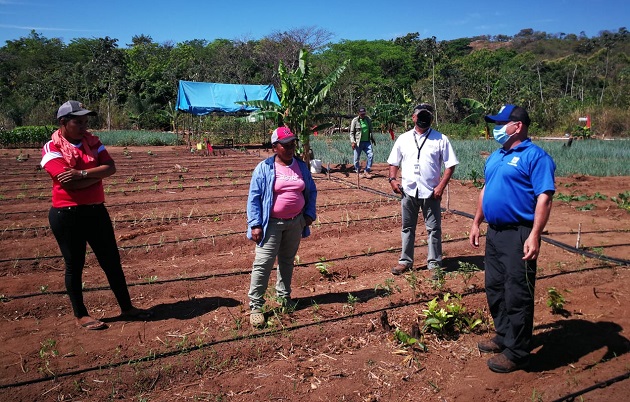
153	357
172	353
603	384
194	217
256	335
156	201
618	261
191	240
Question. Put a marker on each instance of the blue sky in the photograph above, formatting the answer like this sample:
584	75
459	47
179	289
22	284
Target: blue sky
178	21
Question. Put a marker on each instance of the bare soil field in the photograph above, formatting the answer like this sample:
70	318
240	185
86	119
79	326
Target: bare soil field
180	223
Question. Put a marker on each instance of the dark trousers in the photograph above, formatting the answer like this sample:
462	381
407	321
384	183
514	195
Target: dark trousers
510	283
74	227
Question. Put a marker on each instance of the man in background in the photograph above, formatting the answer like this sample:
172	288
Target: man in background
362	140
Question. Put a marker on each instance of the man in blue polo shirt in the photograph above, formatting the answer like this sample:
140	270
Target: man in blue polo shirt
516	203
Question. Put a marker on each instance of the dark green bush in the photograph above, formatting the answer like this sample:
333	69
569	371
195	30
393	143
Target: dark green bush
26	136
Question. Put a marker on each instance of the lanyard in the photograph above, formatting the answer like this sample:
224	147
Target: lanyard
421	145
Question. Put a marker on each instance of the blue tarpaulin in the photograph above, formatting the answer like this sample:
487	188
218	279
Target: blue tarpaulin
201	98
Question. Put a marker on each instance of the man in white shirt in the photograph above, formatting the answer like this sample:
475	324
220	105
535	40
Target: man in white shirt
419	154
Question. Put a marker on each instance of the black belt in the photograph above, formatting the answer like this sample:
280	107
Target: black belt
513	226
79	207
288	219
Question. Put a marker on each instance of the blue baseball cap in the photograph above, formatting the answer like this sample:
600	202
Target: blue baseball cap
510	113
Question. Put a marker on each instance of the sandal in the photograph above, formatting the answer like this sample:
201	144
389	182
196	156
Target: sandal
257	319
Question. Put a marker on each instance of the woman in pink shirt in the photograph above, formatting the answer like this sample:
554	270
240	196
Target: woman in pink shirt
280	209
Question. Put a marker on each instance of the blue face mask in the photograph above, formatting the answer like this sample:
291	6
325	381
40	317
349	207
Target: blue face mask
500	134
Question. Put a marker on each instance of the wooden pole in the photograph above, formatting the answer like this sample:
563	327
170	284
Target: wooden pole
577	243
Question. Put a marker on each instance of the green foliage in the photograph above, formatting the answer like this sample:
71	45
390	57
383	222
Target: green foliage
622	200
127	138
26	136
388	287
324	268
301	98
451	319
555	300
467	270
407	340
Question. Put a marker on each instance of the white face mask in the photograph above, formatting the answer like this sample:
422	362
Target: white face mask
500	133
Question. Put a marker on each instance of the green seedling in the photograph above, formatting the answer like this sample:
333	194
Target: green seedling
467	270
622	200
555	300
388	287
324	268
151	279
407	340
47	350
352	300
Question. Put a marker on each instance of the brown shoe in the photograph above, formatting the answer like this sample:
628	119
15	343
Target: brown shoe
400	269
501	364
490	346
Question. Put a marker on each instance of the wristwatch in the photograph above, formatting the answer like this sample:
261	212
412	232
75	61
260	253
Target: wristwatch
83	174
391	179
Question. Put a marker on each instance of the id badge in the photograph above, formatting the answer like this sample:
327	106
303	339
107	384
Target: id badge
416	169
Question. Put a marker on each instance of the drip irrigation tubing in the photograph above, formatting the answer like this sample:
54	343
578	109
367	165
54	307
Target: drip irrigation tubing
142	219
602	384
162	190
618	261
179	241
156	356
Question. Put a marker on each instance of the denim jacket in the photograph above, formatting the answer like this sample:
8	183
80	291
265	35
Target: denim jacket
260	199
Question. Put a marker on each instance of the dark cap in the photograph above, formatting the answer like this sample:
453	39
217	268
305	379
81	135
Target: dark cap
423	107
73	108
510	113
361	110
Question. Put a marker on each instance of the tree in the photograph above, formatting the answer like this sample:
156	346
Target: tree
301	98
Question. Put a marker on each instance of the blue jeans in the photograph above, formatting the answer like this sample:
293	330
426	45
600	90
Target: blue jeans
363	146
431	212
282	240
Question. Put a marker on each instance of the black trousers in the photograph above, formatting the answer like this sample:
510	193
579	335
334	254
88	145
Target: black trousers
510	283
74	227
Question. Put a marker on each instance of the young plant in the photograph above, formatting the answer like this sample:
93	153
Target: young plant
324	268
622	200
467	270
438	279
407	340
555	300
352	300
437	318
388	287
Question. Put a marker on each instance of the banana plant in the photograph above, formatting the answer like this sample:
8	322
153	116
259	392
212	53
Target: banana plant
301	98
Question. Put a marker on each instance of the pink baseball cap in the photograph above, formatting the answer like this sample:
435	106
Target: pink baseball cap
282	135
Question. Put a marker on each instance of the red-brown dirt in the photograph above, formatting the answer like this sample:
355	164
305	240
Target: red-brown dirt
180	223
